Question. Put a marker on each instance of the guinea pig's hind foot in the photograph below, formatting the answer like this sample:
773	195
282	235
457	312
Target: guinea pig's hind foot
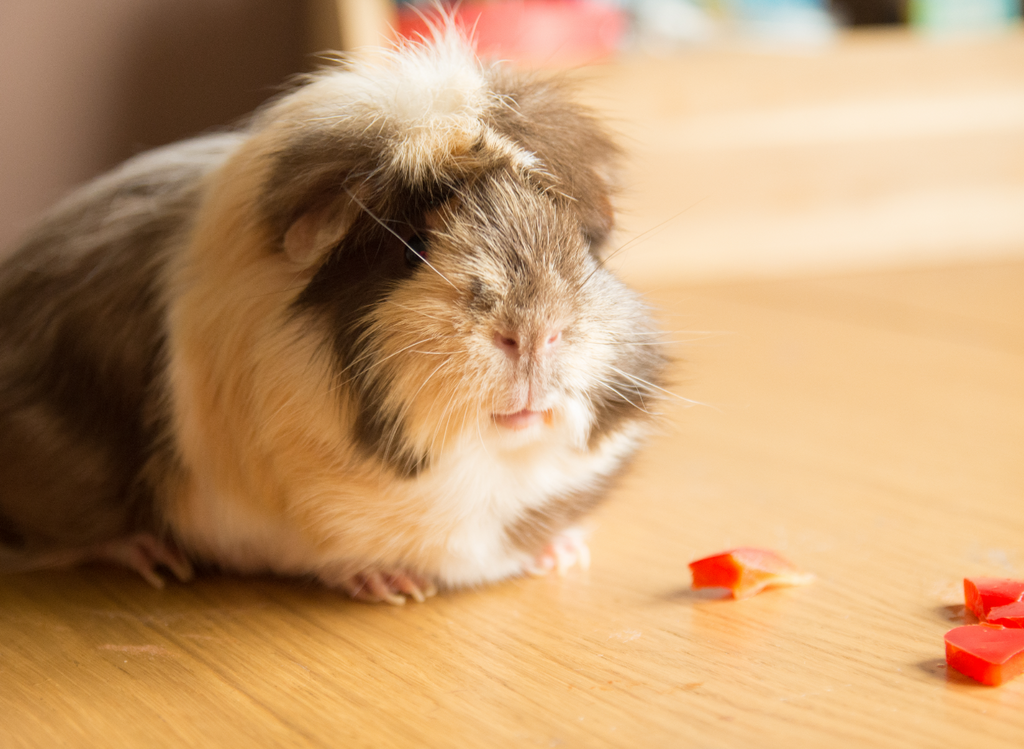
144	552
567	549
387	587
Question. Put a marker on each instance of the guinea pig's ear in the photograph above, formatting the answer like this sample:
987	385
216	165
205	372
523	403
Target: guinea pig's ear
311	236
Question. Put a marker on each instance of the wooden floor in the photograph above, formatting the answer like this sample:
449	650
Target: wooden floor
869	427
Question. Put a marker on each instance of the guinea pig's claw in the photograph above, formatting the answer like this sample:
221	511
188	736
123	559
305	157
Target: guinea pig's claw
376	587
144	552
566	550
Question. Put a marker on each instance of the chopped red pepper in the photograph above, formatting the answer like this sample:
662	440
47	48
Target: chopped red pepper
985	593
986	652
746	572
1011	615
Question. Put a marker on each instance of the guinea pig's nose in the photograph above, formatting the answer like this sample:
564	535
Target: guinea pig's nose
515	344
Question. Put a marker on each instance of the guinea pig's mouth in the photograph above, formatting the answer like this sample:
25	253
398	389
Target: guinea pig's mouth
522	419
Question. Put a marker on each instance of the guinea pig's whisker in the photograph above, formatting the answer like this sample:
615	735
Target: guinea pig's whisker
626	399
659	342
435	429
449	409
624	341
480	434
646	234
640	380
640	395
403	412
408	404
641	343
691	336
273	416
623	396
397	236
421	313
462	426
377	363
465	418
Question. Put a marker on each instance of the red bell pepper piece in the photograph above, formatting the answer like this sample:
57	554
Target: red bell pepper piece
985	593
1011	615
746	572
986	652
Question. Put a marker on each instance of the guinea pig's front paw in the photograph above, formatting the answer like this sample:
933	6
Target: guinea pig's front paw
390	587
567	549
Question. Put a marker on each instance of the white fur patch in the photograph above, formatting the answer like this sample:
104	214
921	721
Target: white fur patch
432	95
482	488
241	538
467	503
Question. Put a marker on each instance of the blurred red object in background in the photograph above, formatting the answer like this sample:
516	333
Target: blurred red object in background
543	32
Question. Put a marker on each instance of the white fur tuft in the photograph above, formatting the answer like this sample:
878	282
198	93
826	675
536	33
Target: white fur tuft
433	94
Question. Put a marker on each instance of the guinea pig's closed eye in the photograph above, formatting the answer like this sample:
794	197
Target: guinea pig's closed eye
416	249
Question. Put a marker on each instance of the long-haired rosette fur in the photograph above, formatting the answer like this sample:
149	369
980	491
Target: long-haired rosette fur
389	354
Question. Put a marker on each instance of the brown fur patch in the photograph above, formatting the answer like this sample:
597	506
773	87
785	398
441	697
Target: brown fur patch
81	335
573	147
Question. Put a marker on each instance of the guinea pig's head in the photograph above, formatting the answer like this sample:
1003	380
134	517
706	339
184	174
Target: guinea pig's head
449	223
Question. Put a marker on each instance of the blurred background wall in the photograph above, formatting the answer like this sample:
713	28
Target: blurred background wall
86	83
763	137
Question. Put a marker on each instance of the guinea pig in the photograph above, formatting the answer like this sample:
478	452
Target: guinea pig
367	337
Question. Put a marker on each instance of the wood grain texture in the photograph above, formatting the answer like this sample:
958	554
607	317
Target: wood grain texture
870	427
